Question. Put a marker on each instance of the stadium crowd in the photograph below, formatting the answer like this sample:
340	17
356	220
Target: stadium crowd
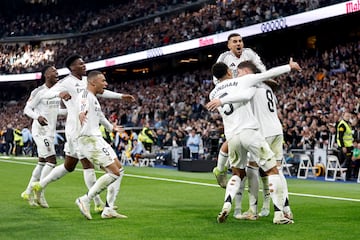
310	102
160	24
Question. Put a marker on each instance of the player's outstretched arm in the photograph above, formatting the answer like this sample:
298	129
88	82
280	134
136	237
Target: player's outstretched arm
254	79
294	65
115	95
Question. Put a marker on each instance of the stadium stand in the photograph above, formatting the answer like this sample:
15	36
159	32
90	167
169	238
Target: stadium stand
309	102
151	31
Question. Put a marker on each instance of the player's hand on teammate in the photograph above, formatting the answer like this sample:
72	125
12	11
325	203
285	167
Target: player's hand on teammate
65	95
42	120
294	65
82	117
213	104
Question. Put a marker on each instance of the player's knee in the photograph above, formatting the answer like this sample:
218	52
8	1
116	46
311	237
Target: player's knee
51	159
225	147
272	171
86	164
239	172
69	167
70	163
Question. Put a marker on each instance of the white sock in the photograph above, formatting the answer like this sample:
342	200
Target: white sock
253	176
266	192
103	182
113	190
238	197
35	175
222	160
90	179
286	191
232	188
282	176
55	174
276	187
47	169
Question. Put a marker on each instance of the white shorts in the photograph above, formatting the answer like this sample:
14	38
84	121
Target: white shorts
250	140
276	145
45	146
71	147
97	150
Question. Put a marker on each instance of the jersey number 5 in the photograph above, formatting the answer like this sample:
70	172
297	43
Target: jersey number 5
228	108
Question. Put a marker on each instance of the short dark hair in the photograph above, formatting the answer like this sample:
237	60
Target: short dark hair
233	35
250	65
43	71
93	74
69	60
219	70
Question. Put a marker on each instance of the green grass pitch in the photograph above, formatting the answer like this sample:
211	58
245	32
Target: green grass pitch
169	204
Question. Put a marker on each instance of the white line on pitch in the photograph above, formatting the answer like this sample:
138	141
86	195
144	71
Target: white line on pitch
3	159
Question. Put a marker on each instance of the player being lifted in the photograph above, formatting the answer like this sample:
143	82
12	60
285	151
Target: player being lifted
236	54
242	132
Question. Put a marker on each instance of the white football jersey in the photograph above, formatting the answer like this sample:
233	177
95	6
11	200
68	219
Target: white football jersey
237	112
238	115
38	106
233	61
88	102
265	111
74	86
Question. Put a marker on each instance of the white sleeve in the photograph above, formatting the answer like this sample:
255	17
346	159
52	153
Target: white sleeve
110	94
30	105
250	80
106	123
242	96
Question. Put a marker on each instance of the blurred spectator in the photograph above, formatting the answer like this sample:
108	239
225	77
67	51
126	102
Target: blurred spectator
356	159
193	143
2	141
345	142
137	151
18	140
147	137
9	139
154	27
27	140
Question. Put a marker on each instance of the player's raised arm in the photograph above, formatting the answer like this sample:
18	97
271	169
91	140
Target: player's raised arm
250	76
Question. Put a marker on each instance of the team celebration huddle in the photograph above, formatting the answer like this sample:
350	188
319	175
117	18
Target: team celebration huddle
242	94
